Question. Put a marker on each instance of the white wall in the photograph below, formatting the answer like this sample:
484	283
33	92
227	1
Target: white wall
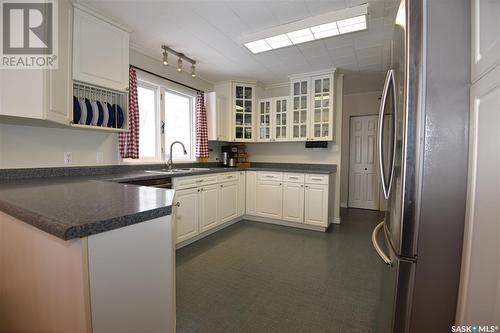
30	147
354	105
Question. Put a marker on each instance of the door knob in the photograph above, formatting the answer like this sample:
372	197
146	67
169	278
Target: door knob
366	168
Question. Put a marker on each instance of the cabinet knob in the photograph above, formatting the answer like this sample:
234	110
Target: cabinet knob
301	185
178	204
222	186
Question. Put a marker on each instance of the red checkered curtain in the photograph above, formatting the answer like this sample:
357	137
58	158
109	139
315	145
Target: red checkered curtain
129	142
201	127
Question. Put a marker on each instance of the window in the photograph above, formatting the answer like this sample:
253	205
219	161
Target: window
166	115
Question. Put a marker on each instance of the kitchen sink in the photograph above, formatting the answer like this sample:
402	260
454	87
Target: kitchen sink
174	171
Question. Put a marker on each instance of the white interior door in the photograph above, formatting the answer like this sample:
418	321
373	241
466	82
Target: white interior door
363	170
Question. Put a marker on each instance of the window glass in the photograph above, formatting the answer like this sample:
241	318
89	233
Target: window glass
179	124
148	120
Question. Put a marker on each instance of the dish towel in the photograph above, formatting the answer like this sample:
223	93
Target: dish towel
201	128
129	141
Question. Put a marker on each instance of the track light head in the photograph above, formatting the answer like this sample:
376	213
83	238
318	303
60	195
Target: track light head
193	71
165	58
179	65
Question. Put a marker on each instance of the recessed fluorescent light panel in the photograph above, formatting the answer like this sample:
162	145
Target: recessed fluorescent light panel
343	24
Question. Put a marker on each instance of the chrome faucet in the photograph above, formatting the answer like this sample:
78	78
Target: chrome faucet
170	164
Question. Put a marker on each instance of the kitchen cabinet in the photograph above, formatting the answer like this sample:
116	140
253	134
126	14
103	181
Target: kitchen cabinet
299	95
293	202
242	109
269	199
208	207
187	213
217	117
316	205
100	51
272	119
251	192
312	100
485	37
228	201
241	193
49	90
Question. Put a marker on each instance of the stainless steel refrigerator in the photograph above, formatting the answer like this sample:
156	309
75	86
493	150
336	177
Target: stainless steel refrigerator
423	126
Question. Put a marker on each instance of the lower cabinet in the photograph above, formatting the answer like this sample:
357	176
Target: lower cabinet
269	199
209	207
186	213
228	201
293	202
316	205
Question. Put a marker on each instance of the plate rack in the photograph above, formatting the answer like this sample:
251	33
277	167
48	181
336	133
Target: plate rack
108	97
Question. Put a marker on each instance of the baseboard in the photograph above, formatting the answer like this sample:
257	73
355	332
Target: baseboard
343	204
284	223
207	233
336	220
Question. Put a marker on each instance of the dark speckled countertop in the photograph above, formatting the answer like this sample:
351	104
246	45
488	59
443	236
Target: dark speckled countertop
77	202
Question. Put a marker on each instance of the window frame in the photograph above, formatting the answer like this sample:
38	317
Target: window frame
162	86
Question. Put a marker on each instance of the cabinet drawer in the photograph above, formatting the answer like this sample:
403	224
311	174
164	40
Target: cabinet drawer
194	181
269	175
227	176
316	179
293	177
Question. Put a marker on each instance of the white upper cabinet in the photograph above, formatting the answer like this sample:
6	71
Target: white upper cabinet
485	36
299	95
49	90
272	119
321	107
242	106
217	117
100	52
312	100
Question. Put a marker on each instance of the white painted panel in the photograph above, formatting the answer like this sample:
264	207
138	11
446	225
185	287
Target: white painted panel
293	202
228	201
132	278
316	205
251	193
269	199
186	214
479	299
209	207
485	36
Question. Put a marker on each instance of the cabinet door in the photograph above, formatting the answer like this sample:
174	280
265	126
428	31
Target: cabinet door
243	106
186	214
269	199
222	119
15	86
241	194
485	36
280	132
209	206
251	192
321	108
293	202
264	119
316	205
100	52
299	121
228	201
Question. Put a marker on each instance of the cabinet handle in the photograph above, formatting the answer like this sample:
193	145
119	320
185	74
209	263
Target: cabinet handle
307	186
316	178
199	181
301	185
269	176
222	186
281	184
198	190
293	177
178	204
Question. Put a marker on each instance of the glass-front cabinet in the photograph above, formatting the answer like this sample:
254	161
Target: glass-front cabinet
265	119
281	118
300	104
321	108
243	110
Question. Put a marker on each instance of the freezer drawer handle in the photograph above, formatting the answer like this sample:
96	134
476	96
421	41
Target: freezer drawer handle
377	247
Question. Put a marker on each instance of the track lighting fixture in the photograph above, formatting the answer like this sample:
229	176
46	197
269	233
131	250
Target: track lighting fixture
193	72
179	65
181	57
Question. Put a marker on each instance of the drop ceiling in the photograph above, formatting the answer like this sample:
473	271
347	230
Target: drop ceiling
210	32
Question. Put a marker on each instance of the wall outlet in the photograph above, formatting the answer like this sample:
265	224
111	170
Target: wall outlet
99	157
68	157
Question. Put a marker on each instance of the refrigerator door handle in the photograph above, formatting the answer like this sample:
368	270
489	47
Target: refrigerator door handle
377	247
389	79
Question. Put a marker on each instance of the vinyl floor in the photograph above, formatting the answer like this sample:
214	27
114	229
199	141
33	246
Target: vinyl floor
257	277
